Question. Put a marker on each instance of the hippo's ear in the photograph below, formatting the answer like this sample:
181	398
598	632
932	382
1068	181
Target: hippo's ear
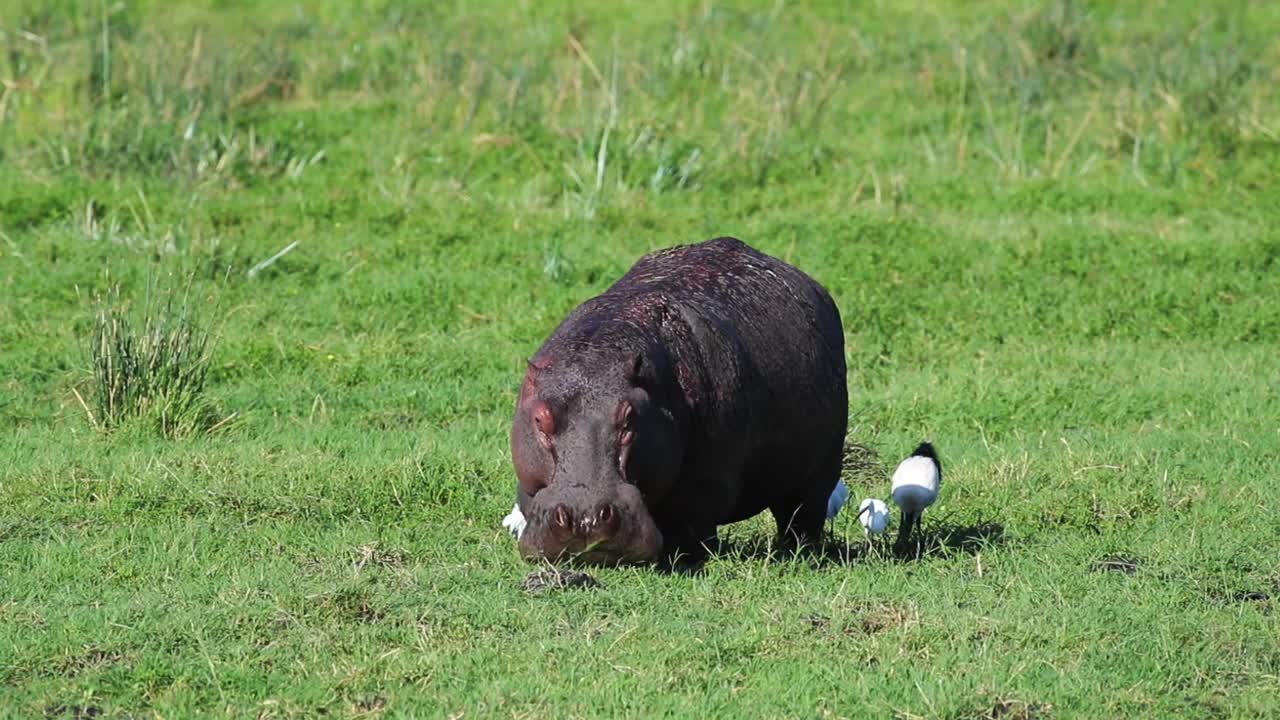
535	366
634	368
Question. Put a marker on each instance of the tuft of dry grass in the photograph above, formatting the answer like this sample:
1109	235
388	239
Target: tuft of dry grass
861	466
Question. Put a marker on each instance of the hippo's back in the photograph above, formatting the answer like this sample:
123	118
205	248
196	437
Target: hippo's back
761	350
779	316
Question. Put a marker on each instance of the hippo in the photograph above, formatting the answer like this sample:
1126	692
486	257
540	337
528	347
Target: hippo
705	386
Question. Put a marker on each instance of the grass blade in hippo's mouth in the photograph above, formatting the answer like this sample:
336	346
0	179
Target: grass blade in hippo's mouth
600	554
596	553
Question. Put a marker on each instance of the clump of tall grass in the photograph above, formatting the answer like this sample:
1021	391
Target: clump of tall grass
151	366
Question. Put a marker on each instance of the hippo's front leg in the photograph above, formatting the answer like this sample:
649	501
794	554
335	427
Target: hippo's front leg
686	540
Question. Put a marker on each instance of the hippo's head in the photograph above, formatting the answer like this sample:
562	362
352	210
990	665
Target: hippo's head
595	443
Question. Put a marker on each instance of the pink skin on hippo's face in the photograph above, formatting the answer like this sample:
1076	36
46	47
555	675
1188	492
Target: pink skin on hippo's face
572	444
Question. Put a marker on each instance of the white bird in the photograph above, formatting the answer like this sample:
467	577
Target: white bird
514	522
915	487
874	516
839	496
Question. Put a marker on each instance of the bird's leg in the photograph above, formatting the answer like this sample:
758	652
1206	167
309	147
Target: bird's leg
909	522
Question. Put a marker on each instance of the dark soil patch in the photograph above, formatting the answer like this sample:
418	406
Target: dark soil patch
880	618
372	555
1017	710
817	623
557	579
1117	563
371	705
353	604
91	659
75	712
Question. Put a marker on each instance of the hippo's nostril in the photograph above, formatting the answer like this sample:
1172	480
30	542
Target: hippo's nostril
561	518
607	517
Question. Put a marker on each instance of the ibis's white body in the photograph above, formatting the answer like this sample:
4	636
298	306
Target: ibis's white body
514	521
916	483
874	516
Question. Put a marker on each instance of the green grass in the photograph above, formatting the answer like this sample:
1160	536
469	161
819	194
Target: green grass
1051	229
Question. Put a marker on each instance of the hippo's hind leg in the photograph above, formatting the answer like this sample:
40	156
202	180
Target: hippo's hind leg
802	516
799	523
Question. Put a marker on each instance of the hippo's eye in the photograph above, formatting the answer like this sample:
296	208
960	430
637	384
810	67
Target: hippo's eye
624	451
622	416
626	435
625	432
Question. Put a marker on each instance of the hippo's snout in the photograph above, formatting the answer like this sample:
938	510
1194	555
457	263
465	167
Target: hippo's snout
602	532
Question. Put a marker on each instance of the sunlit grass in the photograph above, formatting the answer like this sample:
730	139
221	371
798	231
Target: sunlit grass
1050	228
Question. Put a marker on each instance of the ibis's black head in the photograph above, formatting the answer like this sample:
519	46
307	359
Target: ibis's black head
925	449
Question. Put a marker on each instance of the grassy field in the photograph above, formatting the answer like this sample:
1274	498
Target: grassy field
1051	229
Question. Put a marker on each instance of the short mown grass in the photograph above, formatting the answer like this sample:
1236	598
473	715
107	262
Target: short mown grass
1050	228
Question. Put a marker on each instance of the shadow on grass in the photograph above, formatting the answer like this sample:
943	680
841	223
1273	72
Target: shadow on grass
861	467
937	541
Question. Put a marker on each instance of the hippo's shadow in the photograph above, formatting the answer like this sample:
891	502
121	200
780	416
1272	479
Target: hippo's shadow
933	541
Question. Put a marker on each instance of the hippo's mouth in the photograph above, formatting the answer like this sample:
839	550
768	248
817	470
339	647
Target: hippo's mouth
538	544
597	554
604	556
